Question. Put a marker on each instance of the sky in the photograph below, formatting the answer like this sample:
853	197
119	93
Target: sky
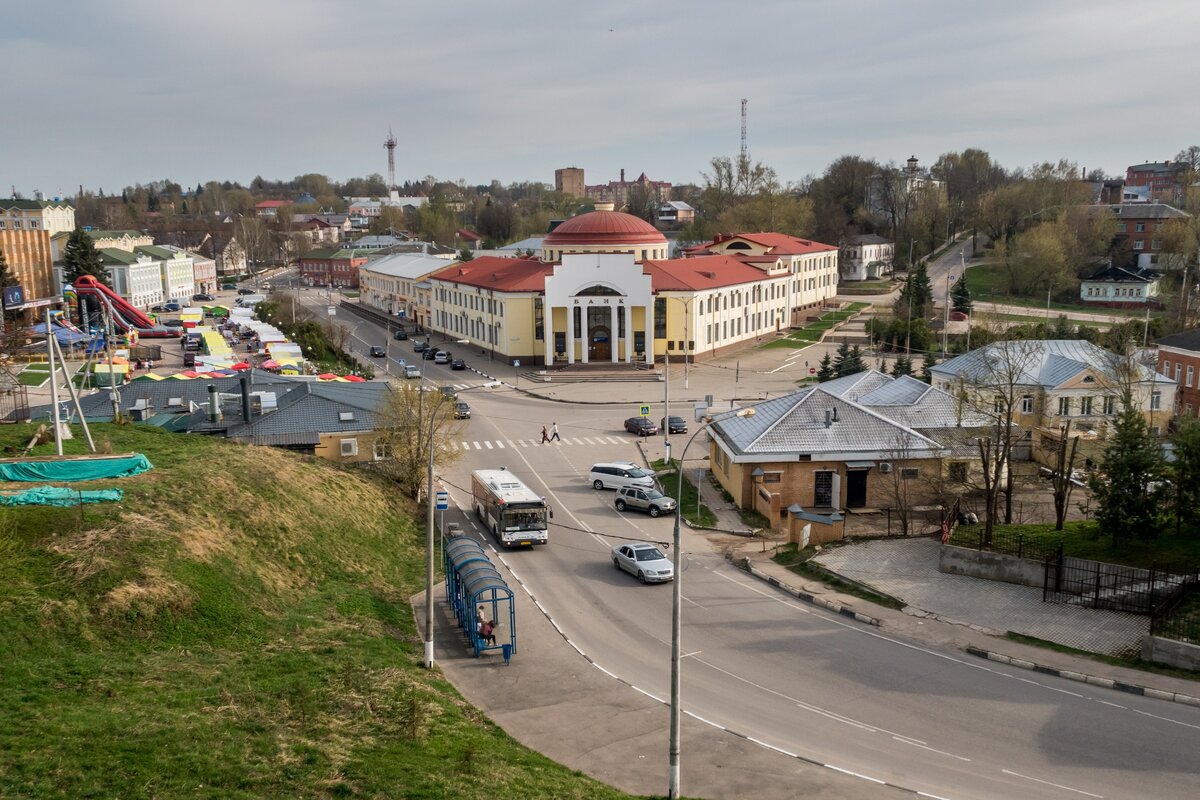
108	93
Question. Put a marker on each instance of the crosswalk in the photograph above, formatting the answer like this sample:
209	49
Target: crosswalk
566	441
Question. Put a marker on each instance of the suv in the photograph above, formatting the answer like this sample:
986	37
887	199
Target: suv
203	298
462	411
617	474
652	501
420	346
400	335
641	426
673	424
442	357
411	371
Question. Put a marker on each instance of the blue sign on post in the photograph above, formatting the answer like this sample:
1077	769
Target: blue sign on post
645	412
442	501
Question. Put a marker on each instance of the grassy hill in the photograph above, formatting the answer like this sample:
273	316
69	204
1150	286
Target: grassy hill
238	626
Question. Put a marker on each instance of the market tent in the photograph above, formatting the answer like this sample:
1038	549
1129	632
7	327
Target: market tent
241	365
356	379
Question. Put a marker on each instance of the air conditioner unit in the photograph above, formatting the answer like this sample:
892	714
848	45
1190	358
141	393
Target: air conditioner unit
885	467
349	448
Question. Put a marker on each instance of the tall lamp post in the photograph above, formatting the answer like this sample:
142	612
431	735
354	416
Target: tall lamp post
946	317
429	543
676	608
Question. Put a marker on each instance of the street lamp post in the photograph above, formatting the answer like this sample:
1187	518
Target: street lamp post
676	610
946	318
429	545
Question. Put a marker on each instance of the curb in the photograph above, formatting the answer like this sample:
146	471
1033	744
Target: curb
979	652
1080	677
821	602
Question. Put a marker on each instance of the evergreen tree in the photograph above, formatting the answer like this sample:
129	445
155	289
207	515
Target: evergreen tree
1185	478
825	370
183	209
152	202
465	255
1129	487
960	296
839	361
855	362
919	291
903	366
927	366
80	258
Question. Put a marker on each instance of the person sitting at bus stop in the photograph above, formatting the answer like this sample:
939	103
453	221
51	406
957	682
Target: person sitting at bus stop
487	631
479	620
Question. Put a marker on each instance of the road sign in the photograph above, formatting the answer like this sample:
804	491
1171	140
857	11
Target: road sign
442	501
516	362
332	310
645	412
812	370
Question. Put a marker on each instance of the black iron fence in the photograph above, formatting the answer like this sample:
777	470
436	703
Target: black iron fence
1010	544
1179	617
1115	587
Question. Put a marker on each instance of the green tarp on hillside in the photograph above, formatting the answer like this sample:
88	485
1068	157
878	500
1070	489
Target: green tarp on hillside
75	469
58	496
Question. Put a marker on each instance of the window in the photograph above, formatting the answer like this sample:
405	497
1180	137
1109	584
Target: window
909	473
1110	405
998	405
1085	406
1190	371
772	477
1139	245
1155	401
1064	406
1121	226
1166	370
958	471
1178	368
1140	227
382	450
1027	404
1156	244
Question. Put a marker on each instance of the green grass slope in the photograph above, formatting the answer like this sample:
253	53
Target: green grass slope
236	627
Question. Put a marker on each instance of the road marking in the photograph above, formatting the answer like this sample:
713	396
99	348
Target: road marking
466	445
856	774
761	743
477	447
932	796
1166	719
1048	783
652	697
914	743
693	653
510	442
576	440
489	446
500	445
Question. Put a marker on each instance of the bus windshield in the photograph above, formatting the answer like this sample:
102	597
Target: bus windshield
523	519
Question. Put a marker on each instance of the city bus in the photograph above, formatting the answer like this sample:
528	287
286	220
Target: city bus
508	508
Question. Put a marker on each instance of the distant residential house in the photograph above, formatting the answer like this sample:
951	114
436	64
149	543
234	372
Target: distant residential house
138	276
332	267
887	188
1117	287
270	209
120	240
618	192
866	257
176	271
322	228
1140	232
1179	360
204	269
468	238
676	212
865	441
1164	181
230	258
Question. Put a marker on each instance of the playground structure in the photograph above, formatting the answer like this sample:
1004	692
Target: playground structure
473	583
124	316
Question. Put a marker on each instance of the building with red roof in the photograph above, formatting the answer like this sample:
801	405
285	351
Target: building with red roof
269	209
605	291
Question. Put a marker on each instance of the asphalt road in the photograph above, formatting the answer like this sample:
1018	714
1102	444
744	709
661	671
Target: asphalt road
798	681
797	678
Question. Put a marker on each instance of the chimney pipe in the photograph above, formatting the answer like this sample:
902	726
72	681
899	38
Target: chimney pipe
828	417
245	382
622	176
214	411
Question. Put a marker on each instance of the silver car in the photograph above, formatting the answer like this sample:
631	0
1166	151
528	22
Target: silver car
644	560
652	501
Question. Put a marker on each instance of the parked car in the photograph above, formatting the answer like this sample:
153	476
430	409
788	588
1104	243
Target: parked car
172	323
641	426
677	424
618	474
442	357
958	316
644	560
400	335
228	286
172	306
420	345
462	411
458	363
203	298
412	371
652	501
378	352
429	354
245	290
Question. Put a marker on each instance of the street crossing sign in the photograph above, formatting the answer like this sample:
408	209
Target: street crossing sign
645	412
442	501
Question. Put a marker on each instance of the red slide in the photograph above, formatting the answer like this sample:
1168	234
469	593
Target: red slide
124	315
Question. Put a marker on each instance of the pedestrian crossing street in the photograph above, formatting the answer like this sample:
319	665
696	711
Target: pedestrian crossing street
566	441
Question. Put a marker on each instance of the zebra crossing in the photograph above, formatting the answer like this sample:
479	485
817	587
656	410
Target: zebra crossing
566	441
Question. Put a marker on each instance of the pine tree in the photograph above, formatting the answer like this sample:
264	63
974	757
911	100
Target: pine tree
80	258
960	296
825	370
927	368
855	363
839	361
903	366
1129	489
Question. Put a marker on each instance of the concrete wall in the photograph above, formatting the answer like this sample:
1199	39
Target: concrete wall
1171	652
990	566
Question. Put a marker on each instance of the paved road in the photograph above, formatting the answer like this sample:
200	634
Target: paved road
801	680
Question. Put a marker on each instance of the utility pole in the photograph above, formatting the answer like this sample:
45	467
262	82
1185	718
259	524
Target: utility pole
946	315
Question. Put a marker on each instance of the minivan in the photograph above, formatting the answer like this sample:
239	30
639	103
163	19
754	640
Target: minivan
618	474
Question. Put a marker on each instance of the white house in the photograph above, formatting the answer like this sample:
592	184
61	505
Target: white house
866	257
1119	287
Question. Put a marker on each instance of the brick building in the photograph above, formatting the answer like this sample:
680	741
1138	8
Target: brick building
1179	360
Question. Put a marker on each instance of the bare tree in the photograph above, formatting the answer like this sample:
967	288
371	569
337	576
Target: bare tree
410	423
337	335
1064	465
901	481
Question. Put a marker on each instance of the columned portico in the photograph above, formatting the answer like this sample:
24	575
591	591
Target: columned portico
600	294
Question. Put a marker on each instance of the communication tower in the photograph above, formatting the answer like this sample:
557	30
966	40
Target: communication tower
390	145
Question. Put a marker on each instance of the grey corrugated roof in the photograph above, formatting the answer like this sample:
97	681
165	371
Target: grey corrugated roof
901	391
407	265
1147	211
313	408
1035	363
855	386
868	238
1184	340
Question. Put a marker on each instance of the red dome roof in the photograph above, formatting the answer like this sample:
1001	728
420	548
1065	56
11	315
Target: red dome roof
604	228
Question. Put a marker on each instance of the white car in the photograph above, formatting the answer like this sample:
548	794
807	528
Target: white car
644	560
411	371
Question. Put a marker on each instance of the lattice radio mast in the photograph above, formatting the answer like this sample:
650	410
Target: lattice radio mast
390	145
744	102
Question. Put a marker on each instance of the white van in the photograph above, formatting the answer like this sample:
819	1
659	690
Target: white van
250	300
619	474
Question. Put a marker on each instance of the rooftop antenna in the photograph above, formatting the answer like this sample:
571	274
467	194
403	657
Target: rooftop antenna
390	145
744	102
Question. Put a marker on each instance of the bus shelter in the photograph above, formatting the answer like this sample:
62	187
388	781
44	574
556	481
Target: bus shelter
476	591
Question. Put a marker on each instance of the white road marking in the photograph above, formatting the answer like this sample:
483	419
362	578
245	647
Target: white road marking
761	743
575	441
477	447
500	445
589	441
489	446
1048	783
510	442
652	697
915	743
1166	719
932	796
466	445
856	774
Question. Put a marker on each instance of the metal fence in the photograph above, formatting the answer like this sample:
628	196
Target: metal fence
1179	617
1010	544
1095	584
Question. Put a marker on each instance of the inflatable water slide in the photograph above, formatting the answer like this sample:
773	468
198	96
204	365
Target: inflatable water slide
124	316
